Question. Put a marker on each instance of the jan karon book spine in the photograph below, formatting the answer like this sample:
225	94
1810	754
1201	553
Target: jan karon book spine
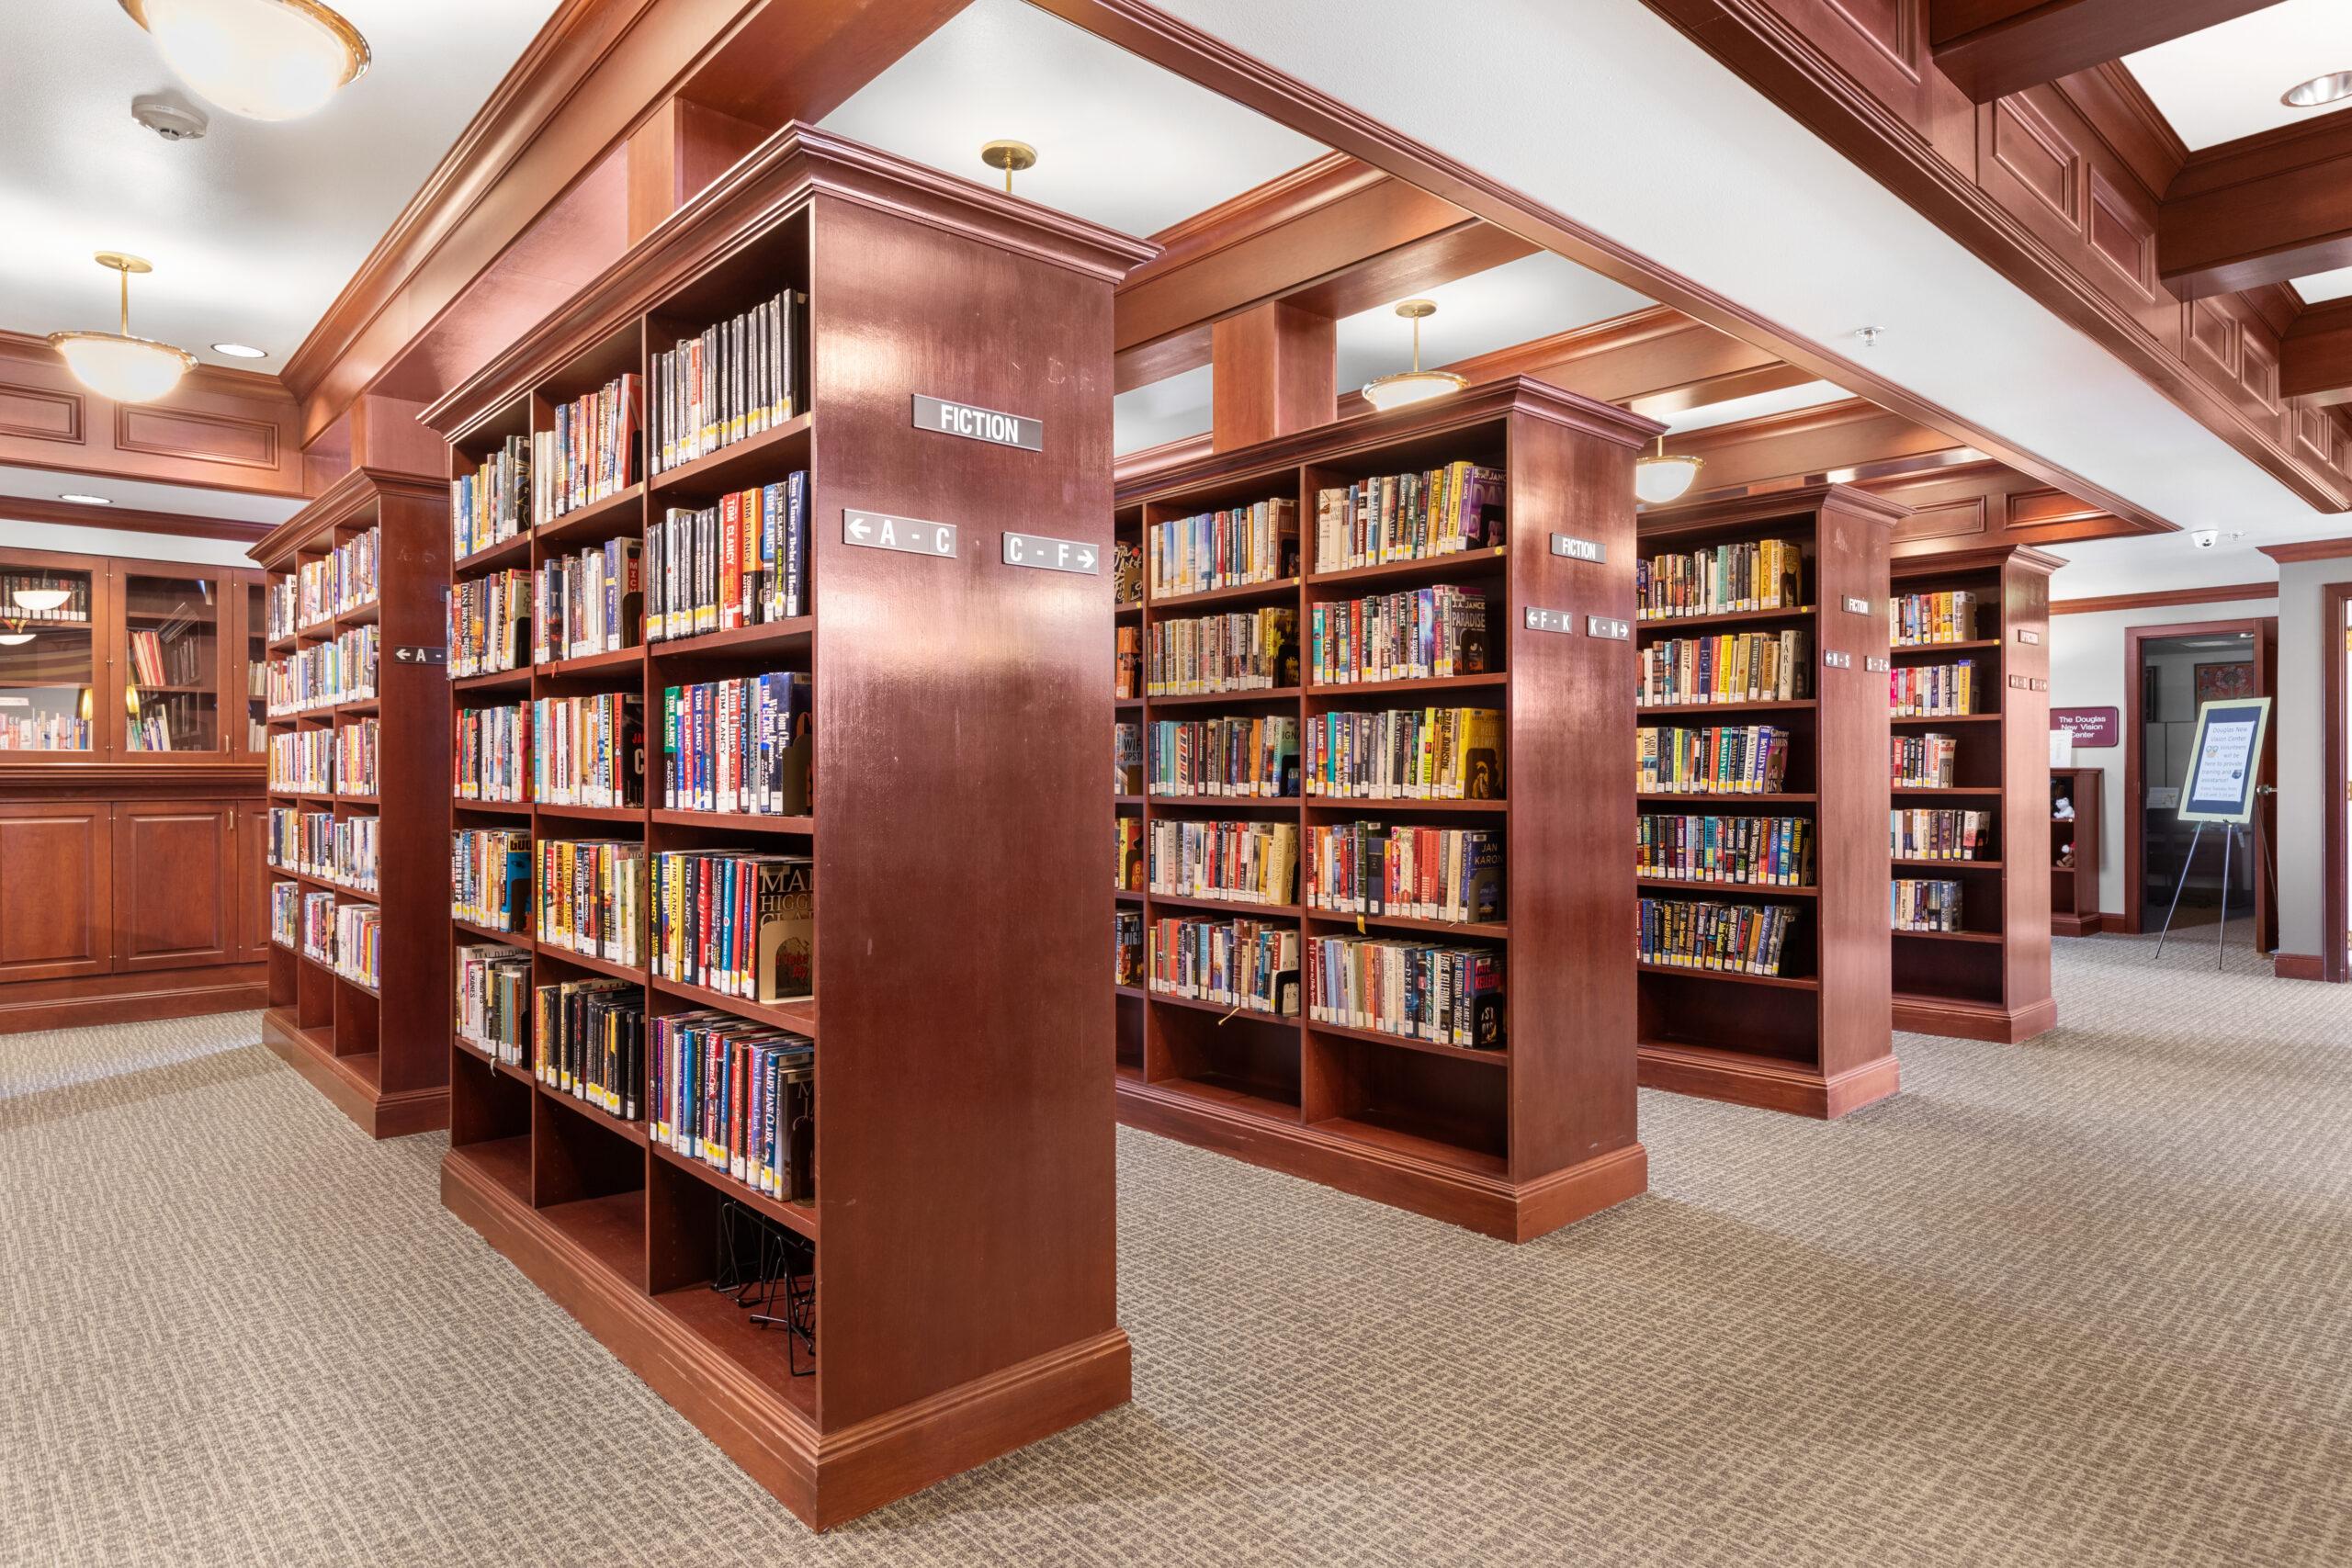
342	581
1445	995
1754	574
1742	667
590	603
1126	759
1922	833
1725	760
741	562
490	757
1127	947
494	1001
1247	862
589	750
355	750
490	623
303	762
743	744
318	927
493	502
740	1097
1740	939
735	380
1925	761
1435	753
490	876
590	1044
740	923
1915	620
1127	854
1394	517
1749	851
1248	965
359	943
591	453
1223	549
1242	757
285	913
1924	906
1422	634
592	897
1244	651
1933	691
1422	873
324	673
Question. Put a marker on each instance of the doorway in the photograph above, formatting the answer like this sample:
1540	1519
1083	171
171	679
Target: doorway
2335	879
2168	672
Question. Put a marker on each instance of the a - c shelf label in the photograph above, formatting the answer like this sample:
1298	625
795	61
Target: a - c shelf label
880	531
973	423
1043	552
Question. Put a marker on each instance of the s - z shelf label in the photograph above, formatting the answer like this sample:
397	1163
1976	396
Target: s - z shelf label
973	423
880	531
1043	552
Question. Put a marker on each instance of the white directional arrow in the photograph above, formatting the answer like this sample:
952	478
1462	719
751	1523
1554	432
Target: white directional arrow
858	528
1086	558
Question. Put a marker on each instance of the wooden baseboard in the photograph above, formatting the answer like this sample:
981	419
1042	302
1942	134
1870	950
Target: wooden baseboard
2077	925
2297	966
1766	1083
825	1478
1974	1021
378	1113
127	998
1491	1205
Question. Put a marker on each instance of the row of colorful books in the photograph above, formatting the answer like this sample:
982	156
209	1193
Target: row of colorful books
742	561
1925	761
1247	862
1411	517
338	583
1915	620
1686	933
1752	574
320	844
1737	667
1433	753
1424	873
1932	691
1926	833
1247	756
589	452
1765	852
1751	759
1241	651
1417	635
1444	995
736	378
324	673
1230	549
1915	904
1250	965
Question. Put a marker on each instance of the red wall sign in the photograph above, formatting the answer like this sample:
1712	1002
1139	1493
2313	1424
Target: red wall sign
2089	727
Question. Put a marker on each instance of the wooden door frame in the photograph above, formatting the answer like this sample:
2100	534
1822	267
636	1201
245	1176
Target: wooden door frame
2336	962
2265	629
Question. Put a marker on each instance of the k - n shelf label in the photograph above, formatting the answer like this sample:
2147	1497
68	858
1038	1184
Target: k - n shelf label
975	423
880	531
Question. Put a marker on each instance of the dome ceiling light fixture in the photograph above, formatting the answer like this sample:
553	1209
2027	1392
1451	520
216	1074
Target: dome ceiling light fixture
16	635
1417	385
116	365
40	601
1659	477
262	58
2319	90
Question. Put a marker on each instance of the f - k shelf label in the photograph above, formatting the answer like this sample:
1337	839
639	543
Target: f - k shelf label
1042	552
880	531
973	423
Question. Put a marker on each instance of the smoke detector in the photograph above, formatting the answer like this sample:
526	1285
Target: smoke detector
168	117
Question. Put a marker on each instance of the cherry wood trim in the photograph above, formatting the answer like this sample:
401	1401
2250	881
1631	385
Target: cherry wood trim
2336	778
129	519
2308	549
2316	354
2297	966
1992	47
2218	594
2260	210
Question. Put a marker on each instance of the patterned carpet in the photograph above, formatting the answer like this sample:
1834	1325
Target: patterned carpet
2088	1302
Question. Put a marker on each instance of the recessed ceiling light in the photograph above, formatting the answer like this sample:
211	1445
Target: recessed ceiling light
241	351
2319	90
79	499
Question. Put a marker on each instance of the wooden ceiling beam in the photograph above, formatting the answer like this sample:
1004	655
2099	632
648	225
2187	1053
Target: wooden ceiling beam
2258	211
131	520
2315	356
1994	48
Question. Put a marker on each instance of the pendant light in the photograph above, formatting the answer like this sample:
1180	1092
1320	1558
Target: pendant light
1417	385
1009	156
16	635
40	601
1659	477
261	59
116	365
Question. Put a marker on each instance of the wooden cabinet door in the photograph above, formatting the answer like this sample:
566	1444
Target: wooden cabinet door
252	822
177	884
56	890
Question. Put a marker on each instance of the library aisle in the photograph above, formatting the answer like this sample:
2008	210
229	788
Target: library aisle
2091	1314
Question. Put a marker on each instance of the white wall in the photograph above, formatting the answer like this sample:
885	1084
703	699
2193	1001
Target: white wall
71	539
2086	670
2299	719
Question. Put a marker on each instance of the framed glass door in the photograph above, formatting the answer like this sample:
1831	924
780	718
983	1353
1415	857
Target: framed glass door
51	650
175	625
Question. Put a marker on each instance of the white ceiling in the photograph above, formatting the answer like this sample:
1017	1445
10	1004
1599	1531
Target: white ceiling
2224	81
1119	141
1758	405
1167	410
252	229
2321	285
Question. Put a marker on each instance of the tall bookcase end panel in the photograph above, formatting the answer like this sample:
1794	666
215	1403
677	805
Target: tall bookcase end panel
780	1064
359	756
1373	909
2074	851
1763	744
1972	908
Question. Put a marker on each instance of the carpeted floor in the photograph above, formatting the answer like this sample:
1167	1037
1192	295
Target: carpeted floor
2086	1302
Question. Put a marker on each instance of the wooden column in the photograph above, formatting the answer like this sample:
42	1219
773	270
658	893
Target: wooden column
1272	365
680	148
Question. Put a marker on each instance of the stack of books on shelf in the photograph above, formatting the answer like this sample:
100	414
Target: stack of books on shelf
325	673
1933	691
318	927
1758	852
738	1096
590	603
1750	759
738	379
1245	650
281	607
1244	863
1127	947
1449	753
1739	666
285	913
736	922
1739	938
1248	965
490	874
1126	759
1127	854
1224	549
43	732
1425	874
1418	635
588	751
1918	619
740	745
1925	761
1752	575
342	581
1445	995
359	943
493	1001
1254	756
493	503
490	623
741	562
1127	684
591	453
489	756
592	897
303	762
1397	517
1918	906
1127	573
589	1039
1919	834
356	750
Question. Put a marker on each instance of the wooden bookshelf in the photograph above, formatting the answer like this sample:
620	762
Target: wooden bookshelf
2074	887
380	1054
963	1213
1991	979
1513	1143
1813	1040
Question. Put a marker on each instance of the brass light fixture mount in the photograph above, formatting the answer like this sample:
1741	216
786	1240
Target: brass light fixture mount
1659	477
1415	385
1009	156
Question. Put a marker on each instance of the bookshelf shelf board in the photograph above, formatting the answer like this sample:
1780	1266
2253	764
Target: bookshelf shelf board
631	814
1929	721
1126	800
1225	905
325	966
503	1162
1972	644
513	550
766	637
764	458
46	686
519	941
1949	865
1376	808
1799	705
1126	896
1406	1043
1282	804
517	1071
601	964
341	799
1226	1010
1401	1139
596	521
362	986
283	644
1987	792
1126	612
793	1216
1232	1095
610	1229
1240	593
737	821
1745	889
361	614
1493	679
1420	569
495	681
1126	704
1229	699
1133	993
632	1131
799	1016
492	807
713	1317
1731	797
1784	982
1991	937
1483	931
594	663
474	1048
1721	619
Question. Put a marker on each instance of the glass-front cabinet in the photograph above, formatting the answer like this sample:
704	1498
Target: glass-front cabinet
52	650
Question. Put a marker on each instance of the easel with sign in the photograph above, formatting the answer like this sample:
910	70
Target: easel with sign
2226	765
